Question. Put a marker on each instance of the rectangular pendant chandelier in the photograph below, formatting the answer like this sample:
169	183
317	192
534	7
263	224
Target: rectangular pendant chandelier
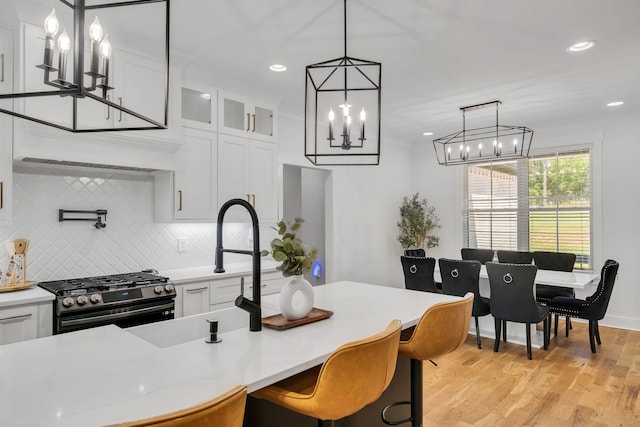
341	96
68	83
483	144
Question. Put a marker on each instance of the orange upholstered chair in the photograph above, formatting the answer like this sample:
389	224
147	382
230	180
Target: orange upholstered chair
353	376
441	329
226	410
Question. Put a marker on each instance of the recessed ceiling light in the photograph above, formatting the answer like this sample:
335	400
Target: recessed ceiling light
615	103
580	46
278	68
427	133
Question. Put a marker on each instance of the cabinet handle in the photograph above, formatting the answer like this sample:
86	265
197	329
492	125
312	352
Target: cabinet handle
248	122
108	110
15	318
197	289
253	196
1	194
120	102
254	123
248	197
179	200
1	67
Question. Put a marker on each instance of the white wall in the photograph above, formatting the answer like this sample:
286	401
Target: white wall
616	151
363	211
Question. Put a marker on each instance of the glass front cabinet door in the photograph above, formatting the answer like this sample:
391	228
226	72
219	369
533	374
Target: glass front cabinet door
243	116
199	104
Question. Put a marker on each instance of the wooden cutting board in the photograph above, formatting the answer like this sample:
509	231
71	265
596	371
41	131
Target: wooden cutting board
20	246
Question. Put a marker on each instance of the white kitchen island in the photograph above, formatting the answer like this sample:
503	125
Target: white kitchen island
108	375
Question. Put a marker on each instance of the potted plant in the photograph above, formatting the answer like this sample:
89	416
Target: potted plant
296	260
417	222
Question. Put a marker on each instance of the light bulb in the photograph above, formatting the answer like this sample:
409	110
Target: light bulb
461	147
495	142
479	146
64	42
95	30
348	120
345	109
51	24
363	115
105	47
448	149
500	145
515	142
332	115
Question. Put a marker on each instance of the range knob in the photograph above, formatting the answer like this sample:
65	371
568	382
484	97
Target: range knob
82	300
169	288
158	289
68	302
95	298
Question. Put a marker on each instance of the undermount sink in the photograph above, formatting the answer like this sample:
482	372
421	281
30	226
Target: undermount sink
185	329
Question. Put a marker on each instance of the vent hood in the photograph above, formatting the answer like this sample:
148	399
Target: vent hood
87	165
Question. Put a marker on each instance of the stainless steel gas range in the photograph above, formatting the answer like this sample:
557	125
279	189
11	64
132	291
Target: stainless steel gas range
125	300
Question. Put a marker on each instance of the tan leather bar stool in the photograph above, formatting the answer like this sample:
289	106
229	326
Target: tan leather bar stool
226	410
441	329
353	376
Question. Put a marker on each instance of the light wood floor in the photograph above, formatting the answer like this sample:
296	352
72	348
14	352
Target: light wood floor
564	386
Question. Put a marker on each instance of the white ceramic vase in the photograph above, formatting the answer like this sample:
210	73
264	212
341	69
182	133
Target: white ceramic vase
296	298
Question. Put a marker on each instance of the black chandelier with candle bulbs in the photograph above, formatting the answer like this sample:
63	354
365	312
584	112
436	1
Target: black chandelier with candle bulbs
339	87
483	144
97	72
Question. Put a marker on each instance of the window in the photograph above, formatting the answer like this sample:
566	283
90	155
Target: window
538	204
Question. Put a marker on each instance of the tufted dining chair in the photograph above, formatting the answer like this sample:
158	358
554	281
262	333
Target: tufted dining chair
418	273
482	255
513	300
555	261
594	307
515	257
226	410
460	277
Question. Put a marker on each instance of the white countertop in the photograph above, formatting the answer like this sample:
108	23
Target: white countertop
26	296
107	375
191	274
178	276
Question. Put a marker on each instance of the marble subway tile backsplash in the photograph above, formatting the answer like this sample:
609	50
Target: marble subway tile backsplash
130	242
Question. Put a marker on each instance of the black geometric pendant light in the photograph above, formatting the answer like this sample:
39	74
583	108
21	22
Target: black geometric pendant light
341	96
77	83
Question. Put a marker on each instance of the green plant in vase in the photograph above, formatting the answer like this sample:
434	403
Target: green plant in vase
288	249
417	222
296	260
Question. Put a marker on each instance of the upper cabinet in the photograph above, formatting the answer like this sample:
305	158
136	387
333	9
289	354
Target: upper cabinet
190	193
6	128
199	106
247	170
243	116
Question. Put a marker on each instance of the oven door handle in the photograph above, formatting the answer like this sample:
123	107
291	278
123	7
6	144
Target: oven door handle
117	316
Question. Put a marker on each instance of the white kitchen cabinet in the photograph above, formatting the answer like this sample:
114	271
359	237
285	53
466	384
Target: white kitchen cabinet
190	193
225	291
18	323
247	170
6	126
199	107
194	299
243	116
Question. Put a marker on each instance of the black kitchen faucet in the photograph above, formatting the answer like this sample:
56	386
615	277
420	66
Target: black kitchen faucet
252	307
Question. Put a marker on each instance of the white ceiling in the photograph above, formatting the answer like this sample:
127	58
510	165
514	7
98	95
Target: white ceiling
436	55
